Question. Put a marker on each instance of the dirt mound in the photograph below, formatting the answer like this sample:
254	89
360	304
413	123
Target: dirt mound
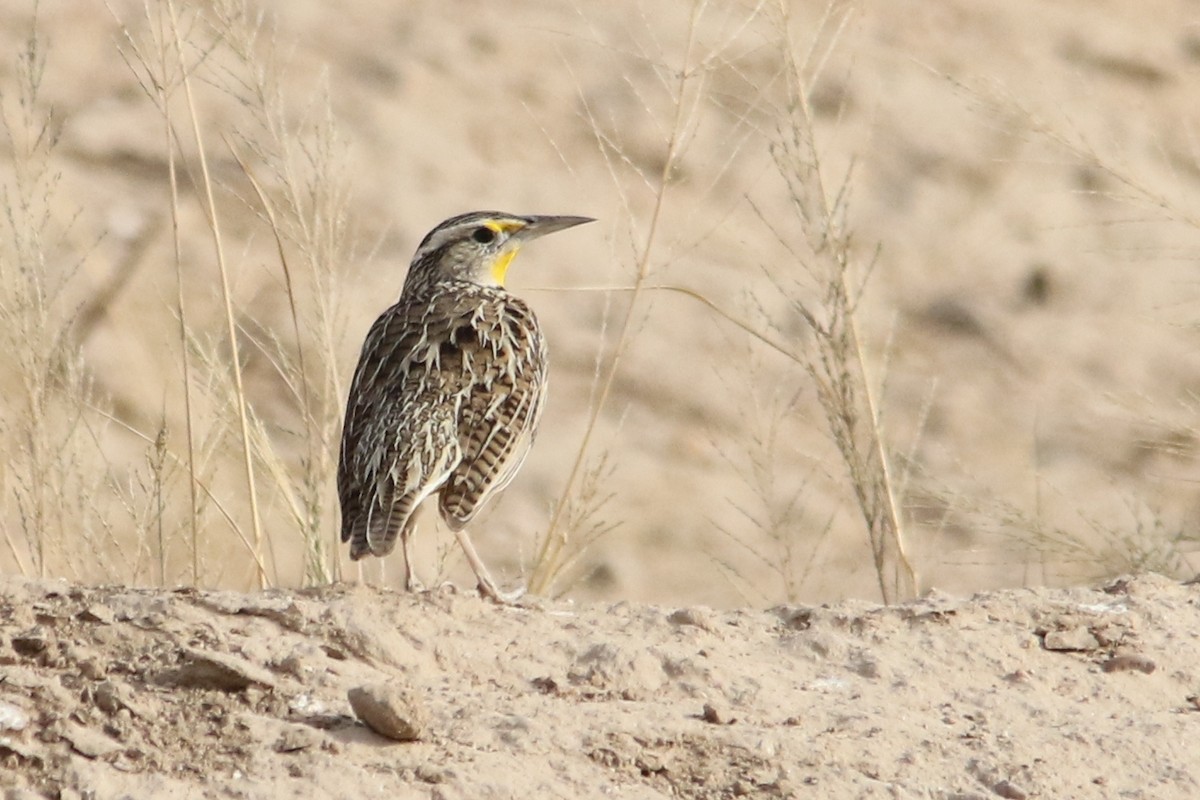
117	692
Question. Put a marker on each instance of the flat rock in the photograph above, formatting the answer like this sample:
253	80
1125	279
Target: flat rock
199	669
89	742
1079	639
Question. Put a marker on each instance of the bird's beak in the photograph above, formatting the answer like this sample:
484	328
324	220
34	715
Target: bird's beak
540	226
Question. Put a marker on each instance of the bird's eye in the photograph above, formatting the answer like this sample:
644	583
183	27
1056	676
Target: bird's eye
483	234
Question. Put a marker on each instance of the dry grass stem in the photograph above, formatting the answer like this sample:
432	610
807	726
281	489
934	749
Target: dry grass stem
235	365
550	554
52	475
838	364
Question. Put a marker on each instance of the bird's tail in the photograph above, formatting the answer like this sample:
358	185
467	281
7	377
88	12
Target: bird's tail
374	532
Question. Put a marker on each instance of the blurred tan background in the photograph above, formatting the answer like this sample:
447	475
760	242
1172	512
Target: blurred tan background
1026	172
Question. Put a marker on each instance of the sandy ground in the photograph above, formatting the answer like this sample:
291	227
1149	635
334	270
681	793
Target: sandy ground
1079	693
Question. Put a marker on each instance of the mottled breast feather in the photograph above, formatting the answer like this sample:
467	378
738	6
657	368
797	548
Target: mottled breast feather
497	421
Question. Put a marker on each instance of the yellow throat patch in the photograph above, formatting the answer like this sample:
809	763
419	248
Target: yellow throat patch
500	265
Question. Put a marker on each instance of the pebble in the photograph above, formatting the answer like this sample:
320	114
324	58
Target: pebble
12	718
717	713
1009	790
31	642
693	617
297	737
390	709
98	613
1129	662
110	698
89	743
1072	639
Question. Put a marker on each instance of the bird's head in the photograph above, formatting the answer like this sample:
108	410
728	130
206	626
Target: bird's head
478	247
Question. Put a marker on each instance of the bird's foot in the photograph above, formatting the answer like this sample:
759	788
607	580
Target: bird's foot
488	589
487	586
412	584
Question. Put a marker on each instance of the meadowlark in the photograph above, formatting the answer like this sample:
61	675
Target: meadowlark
447	393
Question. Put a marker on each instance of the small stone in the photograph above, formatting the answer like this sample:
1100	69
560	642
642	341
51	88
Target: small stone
307	705
1072	639
292	665
91	669
296	737
204	670
797	618
12	718
1008	790
89	743
1128	663
545	684
694	617
389	709
865	666
31	642
427	773
98	613
31	752
336	653
650	762
111	698
717	714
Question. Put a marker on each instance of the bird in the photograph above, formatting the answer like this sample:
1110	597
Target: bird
447	393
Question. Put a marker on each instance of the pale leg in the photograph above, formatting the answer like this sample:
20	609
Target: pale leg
487	586
411	583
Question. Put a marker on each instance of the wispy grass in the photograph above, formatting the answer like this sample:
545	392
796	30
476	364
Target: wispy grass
1136	532
301	158
235	366
836	364
299	152
555	550
70	505
51	476
778	529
